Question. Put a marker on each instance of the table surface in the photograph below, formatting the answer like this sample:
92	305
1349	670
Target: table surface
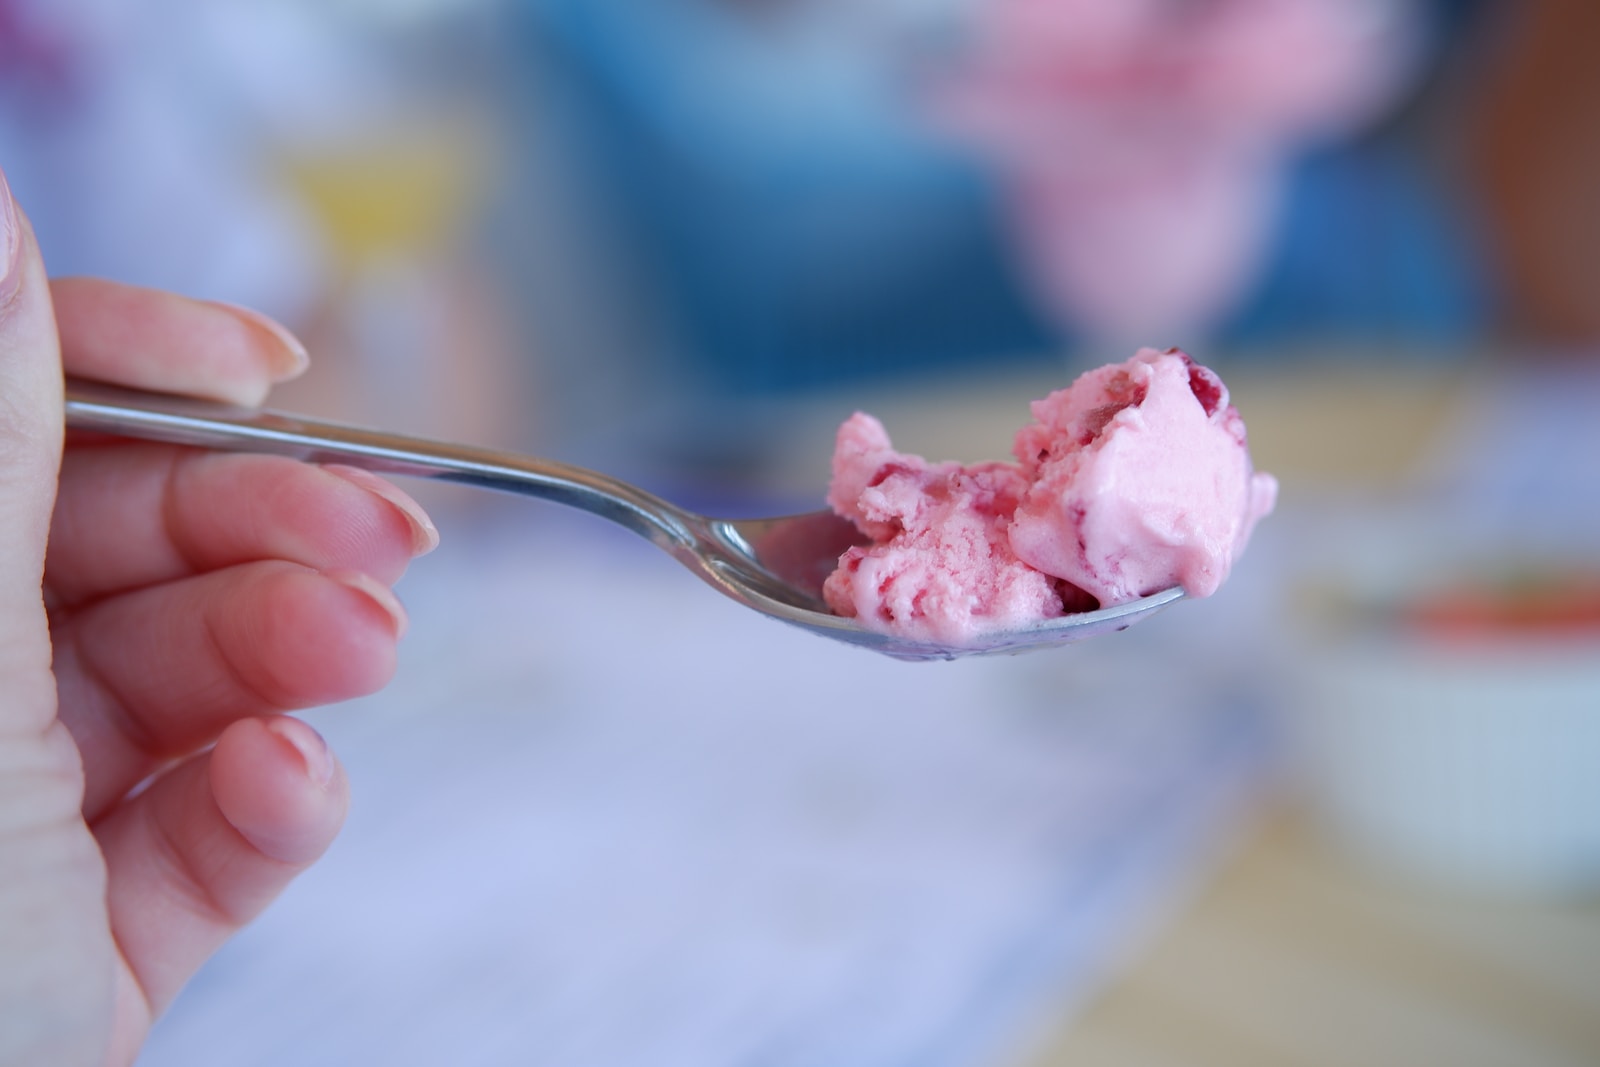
1296	956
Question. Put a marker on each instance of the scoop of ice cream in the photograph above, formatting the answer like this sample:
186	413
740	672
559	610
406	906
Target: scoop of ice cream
941	567
1133	479
1140	479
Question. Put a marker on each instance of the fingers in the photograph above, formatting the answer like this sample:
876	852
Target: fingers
163	342
194	588
208	845
133	515
153	675
30	449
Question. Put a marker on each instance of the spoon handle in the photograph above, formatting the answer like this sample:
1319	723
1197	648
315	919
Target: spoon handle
108	409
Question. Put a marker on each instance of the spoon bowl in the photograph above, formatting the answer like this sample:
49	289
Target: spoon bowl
773	565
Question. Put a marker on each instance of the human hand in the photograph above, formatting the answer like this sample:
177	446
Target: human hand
152	798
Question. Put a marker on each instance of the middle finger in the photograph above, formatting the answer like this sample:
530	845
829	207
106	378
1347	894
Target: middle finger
131	514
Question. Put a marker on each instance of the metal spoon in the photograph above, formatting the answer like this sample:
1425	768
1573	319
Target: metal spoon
774	565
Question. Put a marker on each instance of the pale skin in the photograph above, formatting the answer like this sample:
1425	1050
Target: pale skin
160	609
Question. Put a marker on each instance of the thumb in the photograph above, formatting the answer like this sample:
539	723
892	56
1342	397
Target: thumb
30	457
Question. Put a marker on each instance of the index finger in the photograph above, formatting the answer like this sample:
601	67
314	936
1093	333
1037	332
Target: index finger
163	342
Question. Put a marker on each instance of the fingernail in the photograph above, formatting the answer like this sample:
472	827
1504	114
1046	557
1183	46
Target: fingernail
424	534
10	242
313	749
289	357
376	592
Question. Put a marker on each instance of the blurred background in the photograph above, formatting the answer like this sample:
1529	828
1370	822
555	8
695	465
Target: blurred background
547	213
682	240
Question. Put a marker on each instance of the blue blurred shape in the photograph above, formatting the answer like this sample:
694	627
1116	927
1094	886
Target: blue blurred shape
778	187
769	167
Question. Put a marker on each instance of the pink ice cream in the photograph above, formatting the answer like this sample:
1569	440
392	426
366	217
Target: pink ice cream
1134	479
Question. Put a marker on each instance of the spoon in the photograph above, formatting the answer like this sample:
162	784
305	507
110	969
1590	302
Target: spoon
773	565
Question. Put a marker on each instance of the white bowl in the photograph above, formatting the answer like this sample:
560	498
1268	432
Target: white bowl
1473	760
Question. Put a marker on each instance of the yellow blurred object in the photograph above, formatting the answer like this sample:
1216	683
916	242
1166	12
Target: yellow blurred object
389	194
413	330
